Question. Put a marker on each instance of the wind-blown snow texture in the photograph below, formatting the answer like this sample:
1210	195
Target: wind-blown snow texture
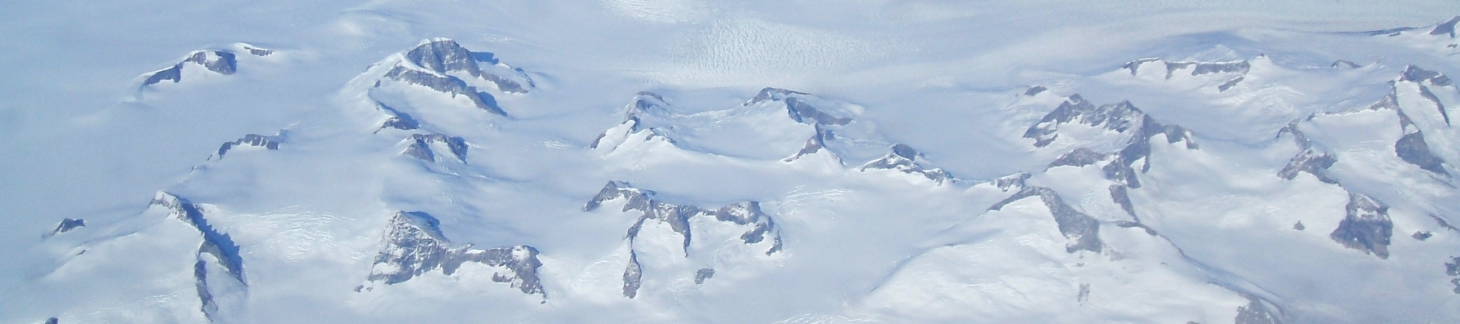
673	161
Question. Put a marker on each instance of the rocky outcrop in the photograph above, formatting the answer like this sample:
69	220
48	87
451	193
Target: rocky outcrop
644	105
1135	127
252	141
218	254
703	274
446	84
395	119
1446	28
218	61
1412	146
905	159
445	66
67	225
1366	227
423	146
633	276
414	245
442	55
1452	269
758	225
1310	158
1082	230
1258	311
1171	68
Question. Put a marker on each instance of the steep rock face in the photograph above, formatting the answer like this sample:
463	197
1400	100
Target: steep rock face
1134	127
758	225
1082	230
1309	159
218	61
776	124
1233	71
644	105
1446	28
442	55
395	119
1366	227
219	269
826	121
1424	80
445	66
414	245
251	141
633	276
447	84
754	225
424	146
66	225
905	159
1412	146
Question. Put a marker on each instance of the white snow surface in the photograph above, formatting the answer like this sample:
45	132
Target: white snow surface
1212	233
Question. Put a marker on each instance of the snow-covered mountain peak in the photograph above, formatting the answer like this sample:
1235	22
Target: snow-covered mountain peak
905	159
413	246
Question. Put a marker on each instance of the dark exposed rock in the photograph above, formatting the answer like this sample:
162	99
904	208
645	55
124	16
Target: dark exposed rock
1411	147
67	225
1079	157
644	105
1309	159
1229	84
1446	28
702	274
1047	130
803	112
1299	226
1421	235
816	143
447	84
1121	196
1197	68
256	51
442	55
1034	91
1082	229
633	276
768	94
419	146
907	160
1346	64
1258	312
797	108
1452	268
268	142
1421	76
53	320
747	213
1366	227
397	119
218	61
413	245
1121	118
216	250
1015	181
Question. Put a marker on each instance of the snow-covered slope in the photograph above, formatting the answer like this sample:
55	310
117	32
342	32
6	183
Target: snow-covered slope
750	162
